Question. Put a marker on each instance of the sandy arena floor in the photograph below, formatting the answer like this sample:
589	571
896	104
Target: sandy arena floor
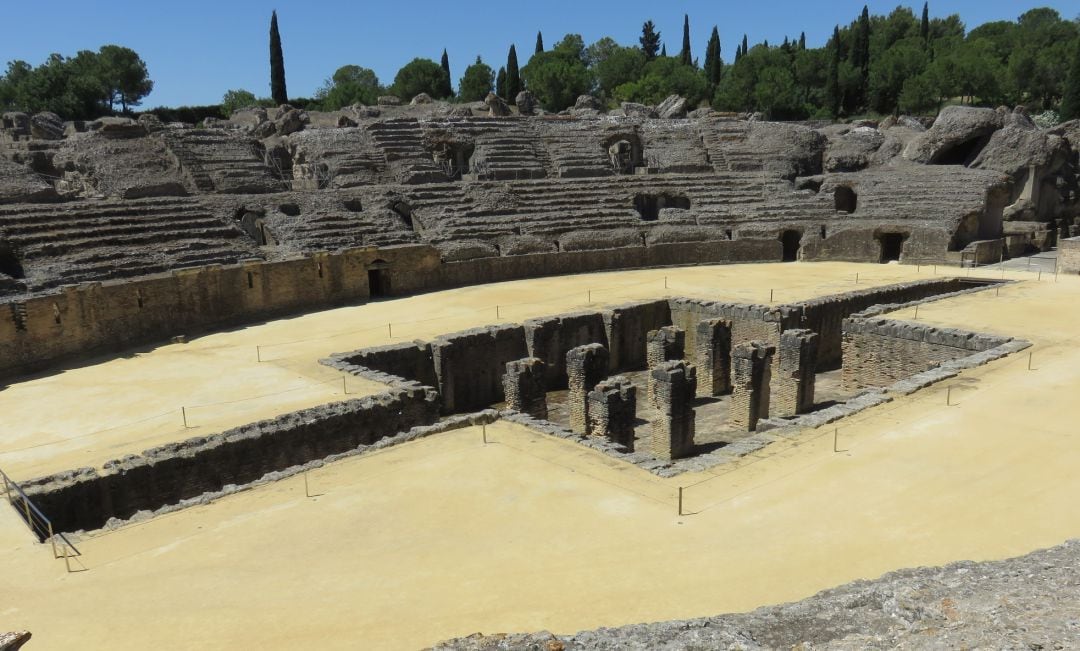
445	536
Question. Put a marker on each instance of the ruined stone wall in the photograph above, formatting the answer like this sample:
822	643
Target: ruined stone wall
409	361
879	352
550	338
166	475
748	322
469	365
627	327
1069	255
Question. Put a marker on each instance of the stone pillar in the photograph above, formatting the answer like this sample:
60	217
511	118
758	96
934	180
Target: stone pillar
796	373
674	386
751	370
525	388
586	366
612	411
712	351
668	344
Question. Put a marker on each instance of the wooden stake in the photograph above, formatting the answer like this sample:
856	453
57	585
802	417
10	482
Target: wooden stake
258	353
916	312
390	329
1030	355
771	295
183	414
836	439
307	492
680	500
948	397
483	431
344	387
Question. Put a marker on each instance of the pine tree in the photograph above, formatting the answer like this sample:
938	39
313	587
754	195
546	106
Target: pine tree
924	28
500	83
833	92
539	42
650	40
802	41
513	76
277	64
1070	101
687	58
714	63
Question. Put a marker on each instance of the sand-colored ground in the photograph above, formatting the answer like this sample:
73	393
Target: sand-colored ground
447	536
94	412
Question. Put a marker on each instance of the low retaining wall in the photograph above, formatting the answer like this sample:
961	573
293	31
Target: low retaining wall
87	499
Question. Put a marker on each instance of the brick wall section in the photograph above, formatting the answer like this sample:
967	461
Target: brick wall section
525	387
751	367
586	366
674	387
712	355
612	411
470	364
409	361
550	338
793	386
667	344
626	328
1069	255
879	352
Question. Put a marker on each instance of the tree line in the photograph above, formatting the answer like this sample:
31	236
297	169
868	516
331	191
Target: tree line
875	65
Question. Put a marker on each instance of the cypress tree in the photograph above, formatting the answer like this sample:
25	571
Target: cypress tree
513	76
924	28
1070	101
687	58
860	56
500	83
650	40
713	62
745	46
663	50
802	41
539	42
445	88
833	92
277	64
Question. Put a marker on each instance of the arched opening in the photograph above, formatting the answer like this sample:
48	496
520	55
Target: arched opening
403	210
845	199
650	205
10	264
792	242
892	246
289	209
625	153
962	153
378	273
354	205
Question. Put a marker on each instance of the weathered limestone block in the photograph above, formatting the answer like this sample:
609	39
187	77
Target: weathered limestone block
666	345
525	387
612	409
497	106
796	373
586	367
751	370
712	353
674	385
526	102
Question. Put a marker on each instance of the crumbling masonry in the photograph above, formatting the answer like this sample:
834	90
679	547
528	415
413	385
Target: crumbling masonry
712	352
611	411
751	365
674	385
666	345
796	371
586	366
525	387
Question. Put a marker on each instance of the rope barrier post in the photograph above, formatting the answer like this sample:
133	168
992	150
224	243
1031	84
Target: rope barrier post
483	431
948	397
390	329
183	414
344	387
258	354
307	492
665	282
1040	276
589	293
497	312
680	500
916	312
1030	355
856	279
771	295
836	439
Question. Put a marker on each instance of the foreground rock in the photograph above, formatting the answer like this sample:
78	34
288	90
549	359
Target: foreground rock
13	641
1031	602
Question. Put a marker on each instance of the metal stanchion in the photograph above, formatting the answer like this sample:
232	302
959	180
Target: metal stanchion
680	500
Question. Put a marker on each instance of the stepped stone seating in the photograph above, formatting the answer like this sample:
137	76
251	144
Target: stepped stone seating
336	158
673	146
402	145
328	220
19	184
84	241
575	149
507	149
221	160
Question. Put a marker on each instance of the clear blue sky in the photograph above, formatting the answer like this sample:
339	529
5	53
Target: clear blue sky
197	50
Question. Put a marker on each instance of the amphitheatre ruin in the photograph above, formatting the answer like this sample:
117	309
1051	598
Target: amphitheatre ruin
394	375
